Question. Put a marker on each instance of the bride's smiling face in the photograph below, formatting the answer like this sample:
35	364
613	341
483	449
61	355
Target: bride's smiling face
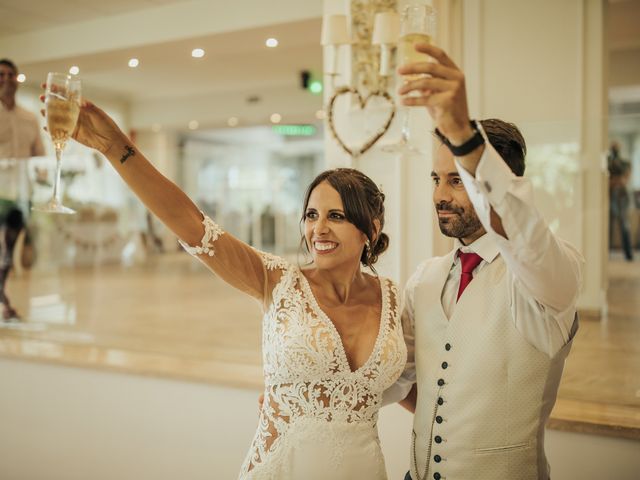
331	238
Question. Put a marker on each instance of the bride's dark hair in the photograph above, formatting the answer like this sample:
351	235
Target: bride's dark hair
363	203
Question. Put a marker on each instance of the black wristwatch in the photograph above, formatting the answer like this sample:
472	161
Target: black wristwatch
467	147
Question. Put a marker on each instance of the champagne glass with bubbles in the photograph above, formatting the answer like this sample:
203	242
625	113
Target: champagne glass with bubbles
62	107
417	25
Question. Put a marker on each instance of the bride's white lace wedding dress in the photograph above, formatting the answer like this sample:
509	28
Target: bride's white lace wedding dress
319	418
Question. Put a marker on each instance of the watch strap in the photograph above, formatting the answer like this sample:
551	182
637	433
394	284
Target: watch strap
467	147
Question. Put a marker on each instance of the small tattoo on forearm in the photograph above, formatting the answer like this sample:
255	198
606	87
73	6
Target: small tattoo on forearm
130	152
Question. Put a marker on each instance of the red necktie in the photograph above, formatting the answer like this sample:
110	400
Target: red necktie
469	262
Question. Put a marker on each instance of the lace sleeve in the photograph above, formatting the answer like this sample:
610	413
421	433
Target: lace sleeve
271	261
212	232
238	264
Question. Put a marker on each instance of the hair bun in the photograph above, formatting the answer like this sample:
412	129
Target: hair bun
381	245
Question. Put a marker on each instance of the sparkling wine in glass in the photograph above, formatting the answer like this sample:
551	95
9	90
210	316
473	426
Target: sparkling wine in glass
62	107
417	25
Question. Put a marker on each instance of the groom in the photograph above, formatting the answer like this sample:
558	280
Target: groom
488	325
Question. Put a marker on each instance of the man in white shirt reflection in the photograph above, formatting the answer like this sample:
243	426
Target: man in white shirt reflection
489	325
20	136
19	140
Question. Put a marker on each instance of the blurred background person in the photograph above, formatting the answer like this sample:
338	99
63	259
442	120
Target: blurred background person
19	140
619	199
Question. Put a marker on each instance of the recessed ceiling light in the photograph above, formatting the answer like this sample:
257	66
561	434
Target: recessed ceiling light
320	114
233	121
21	77
134	62
271	42
276	118
75	70
193	125
197	53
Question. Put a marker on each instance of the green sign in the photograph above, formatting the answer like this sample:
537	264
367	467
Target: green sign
295	130
315	87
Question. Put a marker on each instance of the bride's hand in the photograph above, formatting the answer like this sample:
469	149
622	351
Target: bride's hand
94	128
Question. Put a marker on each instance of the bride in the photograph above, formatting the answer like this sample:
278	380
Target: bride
332	340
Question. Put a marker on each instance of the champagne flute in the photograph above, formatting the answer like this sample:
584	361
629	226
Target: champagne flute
417	25
62	107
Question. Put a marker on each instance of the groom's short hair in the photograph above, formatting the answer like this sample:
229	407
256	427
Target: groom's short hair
508	142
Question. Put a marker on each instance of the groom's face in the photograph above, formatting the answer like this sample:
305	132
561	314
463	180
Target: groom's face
456	216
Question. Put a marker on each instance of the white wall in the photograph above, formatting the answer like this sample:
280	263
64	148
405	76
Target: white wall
542	66
63	423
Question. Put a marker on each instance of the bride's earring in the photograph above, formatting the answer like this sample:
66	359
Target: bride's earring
367	251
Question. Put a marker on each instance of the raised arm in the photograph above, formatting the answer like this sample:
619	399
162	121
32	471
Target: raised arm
234	261
549	269
546	271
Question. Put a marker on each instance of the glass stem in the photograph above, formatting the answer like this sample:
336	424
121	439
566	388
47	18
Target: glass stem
56	182
405	126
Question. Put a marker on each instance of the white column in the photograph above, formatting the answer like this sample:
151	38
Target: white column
404	178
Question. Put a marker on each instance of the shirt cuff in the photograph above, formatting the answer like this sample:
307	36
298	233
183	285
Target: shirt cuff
396	392
493	176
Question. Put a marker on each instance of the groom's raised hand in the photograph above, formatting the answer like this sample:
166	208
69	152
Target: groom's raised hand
441	88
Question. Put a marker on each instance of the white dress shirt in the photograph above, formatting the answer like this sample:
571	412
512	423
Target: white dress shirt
545	271
20	139
19	133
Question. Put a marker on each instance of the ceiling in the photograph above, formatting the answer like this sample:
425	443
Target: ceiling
30	15
169	87
233	61
237	64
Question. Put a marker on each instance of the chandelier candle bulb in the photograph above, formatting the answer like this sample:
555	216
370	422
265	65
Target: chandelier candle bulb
334	33
385	60
386	29
334	30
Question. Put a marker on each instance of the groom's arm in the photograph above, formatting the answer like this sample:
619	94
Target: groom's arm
548	268
545	272
410	400
399	391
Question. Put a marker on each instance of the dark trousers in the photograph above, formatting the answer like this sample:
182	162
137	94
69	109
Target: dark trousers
621	223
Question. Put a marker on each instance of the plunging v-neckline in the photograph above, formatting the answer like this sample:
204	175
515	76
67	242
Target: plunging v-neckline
332	327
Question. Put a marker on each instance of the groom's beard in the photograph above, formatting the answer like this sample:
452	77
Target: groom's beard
462	225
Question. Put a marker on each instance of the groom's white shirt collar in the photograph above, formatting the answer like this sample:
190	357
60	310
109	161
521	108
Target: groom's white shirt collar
483	246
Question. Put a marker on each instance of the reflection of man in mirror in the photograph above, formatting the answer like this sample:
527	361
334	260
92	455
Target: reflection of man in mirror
19	135
9	234
619	174
268	228
19	140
